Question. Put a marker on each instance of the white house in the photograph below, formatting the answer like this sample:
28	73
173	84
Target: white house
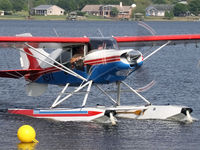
46	10
1	13
158	10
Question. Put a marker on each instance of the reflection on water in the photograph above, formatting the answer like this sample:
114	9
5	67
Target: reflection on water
26	146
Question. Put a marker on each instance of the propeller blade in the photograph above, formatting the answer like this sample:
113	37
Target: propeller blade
146	87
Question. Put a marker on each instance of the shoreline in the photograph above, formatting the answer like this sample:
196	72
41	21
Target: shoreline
91	18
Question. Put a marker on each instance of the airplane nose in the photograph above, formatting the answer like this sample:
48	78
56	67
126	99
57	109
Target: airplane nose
134	57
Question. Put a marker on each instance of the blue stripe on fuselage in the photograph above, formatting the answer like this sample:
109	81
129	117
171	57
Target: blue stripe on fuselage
101	73
60	112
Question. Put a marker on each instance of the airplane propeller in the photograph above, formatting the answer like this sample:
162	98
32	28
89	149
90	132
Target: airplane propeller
144	29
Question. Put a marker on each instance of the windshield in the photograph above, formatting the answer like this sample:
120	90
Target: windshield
102	43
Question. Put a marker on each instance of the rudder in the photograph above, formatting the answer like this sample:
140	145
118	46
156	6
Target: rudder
29	57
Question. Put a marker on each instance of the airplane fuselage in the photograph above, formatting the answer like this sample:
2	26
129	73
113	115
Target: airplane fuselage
100	66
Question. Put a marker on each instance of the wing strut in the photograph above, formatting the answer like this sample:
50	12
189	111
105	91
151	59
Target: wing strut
144	99
87	93
104	92
59	100
118	92
157	50
61	93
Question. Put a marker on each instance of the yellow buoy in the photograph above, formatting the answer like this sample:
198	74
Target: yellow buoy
26	134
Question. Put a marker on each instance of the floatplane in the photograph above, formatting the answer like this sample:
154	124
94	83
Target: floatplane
85	62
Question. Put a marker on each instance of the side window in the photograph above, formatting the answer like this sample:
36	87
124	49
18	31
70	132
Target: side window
64	57
77	58
102	43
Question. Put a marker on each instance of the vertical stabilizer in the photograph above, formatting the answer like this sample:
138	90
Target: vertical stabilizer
29	57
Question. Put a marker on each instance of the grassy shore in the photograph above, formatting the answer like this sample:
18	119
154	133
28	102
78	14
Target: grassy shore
92	18
17	17
189	18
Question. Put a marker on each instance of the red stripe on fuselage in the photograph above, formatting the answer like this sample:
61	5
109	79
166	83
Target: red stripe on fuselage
102	60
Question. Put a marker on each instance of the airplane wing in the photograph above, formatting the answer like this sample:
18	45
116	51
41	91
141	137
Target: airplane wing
126	41
156	40
41	42
17	73
45	39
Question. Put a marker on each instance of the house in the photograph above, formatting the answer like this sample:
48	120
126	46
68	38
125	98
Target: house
1	13
105	10
45	10
158	9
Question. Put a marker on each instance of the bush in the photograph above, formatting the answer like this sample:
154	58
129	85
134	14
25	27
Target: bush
169	15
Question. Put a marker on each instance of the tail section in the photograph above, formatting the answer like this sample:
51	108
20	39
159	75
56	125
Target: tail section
29	58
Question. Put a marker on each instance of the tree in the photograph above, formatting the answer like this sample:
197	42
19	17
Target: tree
164	1
159	1
180	9
39	2
169	15
68	5
194	7
19	5
114	12
5	5
141	5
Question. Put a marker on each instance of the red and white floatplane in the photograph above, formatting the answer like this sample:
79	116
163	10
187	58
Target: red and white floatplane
82	63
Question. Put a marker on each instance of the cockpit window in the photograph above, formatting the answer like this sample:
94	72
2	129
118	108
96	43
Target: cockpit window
102	43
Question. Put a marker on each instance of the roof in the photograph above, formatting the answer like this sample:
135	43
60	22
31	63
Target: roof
161	7
45	7
123	8
91	8
97	7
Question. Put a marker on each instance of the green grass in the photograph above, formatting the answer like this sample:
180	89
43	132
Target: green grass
96	18
48	17
189	18
25	17
12	17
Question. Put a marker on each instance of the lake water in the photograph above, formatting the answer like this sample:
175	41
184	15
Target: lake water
175	70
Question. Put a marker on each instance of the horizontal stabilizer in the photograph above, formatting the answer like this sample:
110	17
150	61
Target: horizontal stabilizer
17	73
35	89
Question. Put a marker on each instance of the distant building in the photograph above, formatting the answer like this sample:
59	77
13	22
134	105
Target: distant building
45	10
183	2
1	13
158	10
105	10
72	15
